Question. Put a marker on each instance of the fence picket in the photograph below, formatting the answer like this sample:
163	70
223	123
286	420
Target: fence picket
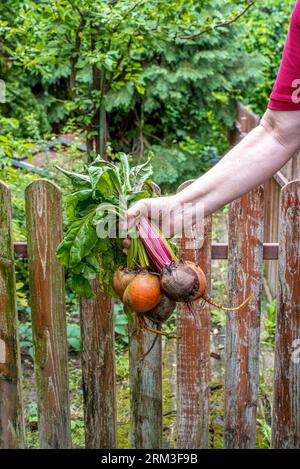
11	405
193	349
145	374
47	299
246	223
271	224
286	398
98	369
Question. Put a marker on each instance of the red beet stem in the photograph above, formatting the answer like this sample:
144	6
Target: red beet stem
155	246
151	252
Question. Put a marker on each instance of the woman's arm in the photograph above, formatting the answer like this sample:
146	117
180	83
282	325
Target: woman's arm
254	160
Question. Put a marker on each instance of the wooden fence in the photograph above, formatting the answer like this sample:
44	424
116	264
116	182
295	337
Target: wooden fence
245	252
246	121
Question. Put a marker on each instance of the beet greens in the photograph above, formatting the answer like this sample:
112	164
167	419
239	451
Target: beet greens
102	190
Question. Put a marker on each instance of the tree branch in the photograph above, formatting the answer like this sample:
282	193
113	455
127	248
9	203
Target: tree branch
219	25
122	61
137	4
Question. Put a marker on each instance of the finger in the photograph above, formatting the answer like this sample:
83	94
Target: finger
130	220
126	242
132	215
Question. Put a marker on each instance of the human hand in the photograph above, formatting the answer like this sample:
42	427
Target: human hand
164	212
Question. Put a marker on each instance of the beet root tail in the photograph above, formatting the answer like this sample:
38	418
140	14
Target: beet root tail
223	308
145	326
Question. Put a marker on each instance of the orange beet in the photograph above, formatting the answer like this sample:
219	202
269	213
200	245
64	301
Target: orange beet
201	279
121	279
143	292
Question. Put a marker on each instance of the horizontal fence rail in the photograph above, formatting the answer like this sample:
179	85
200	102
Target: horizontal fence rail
245	253
219	251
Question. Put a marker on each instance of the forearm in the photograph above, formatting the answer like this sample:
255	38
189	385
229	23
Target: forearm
254	160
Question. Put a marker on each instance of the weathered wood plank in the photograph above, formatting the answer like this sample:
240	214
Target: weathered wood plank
193	350
47	299
286	399
98	369
272	196
11	405
145	375
218	250
280	179
145	379
243	327
296	166
20	248
246	121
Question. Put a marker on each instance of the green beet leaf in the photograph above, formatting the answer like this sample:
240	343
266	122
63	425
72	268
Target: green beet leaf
141	174
78	180
73	202
78	242
104	191
81	286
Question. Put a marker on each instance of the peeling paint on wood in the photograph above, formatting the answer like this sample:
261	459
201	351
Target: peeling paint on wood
3	354
47	299
271	224
98	369
286	398
246	234
193	349
11	405
145	374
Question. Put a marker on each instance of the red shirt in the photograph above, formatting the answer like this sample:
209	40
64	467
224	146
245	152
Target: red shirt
286	92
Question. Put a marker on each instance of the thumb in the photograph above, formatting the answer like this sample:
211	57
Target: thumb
134	213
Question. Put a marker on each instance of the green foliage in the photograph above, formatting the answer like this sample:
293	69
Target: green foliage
101	193
25	331
10	144
17	183
218	317
265	434
266	27
138	72
26	100
121	325
73	336
177	163
269	322
31	415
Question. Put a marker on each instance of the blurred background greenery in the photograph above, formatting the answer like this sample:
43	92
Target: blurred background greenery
137	75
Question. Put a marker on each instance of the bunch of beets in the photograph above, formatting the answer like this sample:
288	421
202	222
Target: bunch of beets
153	291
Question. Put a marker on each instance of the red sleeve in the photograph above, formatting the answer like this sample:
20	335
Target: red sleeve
286	92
